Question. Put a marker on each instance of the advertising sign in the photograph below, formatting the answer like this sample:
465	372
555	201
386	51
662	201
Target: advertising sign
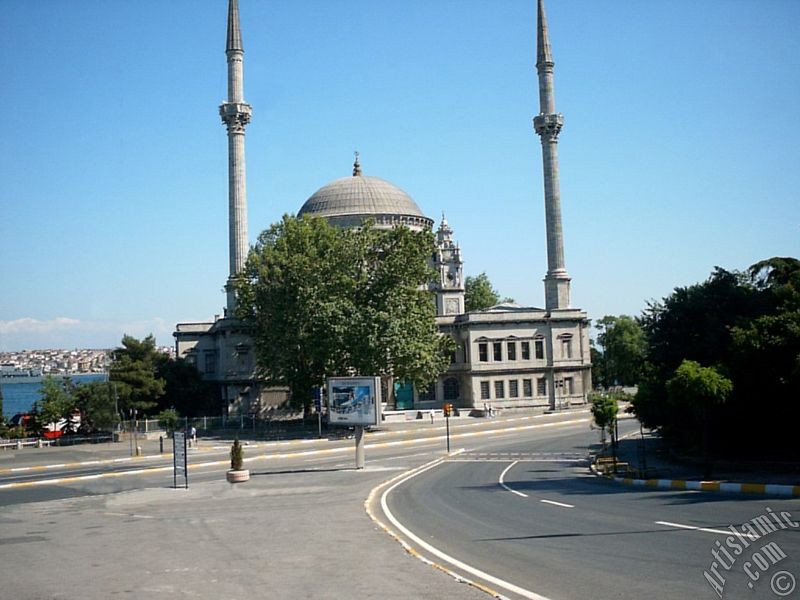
354	400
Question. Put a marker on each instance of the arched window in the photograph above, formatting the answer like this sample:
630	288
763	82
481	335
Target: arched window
451	388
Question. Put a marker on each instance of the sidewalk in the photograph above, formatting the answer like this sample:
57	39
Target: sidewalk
655	466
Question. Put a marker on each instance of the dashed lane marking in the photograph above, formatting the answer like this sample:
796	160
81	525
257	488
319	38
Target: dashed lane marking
554	503
706	529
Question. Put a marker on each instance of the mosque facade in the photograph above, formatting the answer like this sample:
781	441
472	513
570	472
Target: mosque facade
508	356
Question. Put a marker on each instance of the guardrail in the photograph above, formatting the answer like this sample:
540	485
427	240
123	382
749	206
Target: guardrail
24	442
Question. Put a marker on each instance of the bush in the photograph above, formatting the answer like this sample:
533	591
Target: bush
168	419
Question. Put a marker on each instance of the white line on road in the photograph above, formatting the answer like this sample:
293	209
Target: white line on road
706	529
503	474
554	503
438	553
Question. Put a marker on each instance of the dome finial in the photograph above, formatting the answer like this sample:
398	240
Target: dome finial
356	166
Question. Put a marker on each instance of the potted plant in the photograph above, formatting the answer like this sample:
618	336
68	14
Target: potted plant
237	474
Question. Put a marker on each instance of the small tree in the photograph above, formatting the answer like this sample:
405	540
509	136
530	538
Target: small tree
698	390
604	410
168	419
479	293
237	455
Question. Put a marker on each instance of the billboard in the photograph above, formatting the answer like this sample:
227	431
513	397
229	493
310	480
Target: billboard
354	400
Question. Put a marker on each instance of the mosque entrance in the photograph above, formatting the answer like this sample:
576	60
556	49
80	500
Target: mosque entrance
403	395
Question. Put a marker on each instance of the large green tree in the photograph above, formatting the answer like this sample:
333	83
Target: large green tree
623	343
184	388
747	327
323	301
133	374
97	404
479	293
56	401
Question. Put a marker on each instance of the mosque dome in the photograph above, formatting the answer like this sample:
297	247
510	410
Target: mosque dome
348	201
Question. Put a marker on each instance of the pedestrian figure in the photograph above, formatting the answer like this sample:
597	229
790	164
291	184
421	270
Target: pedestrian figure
193	436
432	413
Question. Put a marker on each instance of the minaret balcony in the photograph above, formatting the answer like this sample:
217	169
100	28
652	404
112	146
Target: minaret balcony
235	111
549	125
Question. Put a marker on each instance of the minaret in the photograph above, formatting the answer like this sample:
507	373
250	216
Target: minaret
235	114
548	124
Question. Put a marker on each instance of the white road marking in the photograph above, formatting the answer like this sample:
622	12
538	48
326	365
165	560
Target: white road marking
554	503
706	529
446	557
503	474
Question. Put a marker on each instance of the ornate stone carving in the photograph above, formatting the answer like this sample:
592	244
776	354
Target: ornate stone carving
235	115
548	126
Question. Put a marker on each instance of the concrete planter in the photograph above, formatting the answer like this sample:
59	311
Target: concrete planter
237	476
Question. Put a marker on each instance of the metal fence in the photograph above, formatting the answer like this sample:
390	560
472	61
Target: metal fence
270	424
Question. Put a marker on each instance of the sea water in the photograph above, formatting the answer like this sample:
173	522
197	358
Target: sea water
19	396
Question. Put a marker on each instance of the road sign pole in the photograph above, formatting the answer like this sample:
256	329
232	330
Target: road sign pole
359	447
447	426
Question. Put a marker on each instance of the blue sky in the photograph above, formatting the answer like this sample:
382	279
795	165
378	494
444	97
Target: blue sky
679	152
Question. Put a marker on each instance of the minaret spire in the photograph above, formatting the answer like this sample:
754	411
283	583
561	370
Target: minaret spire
548	125
235	113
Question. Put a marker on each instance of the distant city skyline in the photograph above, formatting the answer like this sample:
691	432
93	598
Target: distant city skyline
679	150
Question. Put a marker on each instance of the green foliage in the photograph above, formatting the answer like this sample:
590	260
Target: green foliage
697	388
745	325
56	403
168	419
133	372
604	411
624	345
479	293
237	455
184	388
323	301
97	406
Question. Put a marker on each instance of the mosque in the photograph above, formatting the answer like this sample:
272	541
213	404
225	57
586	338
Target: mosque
508	356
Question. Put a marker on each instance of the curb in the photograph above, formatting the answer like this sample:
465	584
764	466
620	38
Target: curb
411	551
771	489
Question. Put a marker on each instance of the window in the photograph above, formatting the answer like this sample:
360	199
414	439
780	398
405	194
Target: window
483	352
513	389
500	389
511	350
566	347
485	390
451	388
568	386
526	350
539	349
454	357
498	351
527	388
210	362
541	386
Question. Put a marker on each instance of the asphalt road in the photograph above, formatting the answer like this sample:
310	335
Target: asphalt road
95	524
522	512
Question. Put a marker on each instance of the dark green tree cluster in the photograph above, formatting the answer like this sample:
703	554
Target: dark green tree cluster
479	293
81	408
323	301
722	368
150	381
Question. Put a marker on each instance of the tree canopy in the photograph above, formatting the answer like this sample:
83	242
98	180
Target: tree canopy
323	301
479	293
623	343
746	326
133	374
